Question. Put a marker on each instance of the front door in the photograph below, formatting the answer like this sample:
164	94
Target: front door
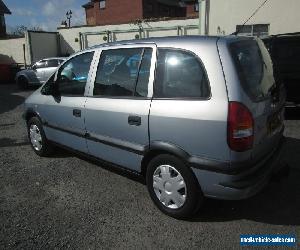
117	109
63	113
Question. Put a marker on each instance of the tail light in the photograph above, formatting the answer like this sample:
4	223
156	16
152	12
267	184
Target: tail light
240	127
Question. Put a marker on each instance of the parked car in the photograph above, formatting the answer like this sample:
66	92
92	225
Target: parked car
285	53
39	72
201	120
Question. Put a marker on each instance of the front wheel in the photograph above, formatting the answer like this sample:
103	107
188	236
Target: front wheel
173	187
22	83
37	138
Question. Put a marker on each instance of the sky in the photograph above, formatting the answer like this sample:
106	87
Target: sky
46	14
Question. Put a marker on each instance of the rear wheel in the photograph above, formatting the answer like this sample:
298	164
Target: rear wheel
22	82
37	138
173	187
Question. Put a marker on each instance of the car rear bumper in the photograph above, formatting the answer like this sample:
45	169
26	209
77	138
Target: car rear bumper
240	181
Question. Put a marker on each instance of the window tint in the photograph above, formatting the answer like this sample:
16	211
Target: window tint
254	67
52	63
72	76
118	73
180	74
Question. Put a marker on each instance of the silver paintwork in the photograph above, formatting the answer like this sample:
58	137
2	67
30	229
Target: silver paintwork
110	117
40	75
169	186
198	127
35	137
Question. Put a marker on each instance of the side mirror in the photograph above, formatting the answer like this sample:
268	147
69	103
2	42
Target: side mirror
55	90
50	87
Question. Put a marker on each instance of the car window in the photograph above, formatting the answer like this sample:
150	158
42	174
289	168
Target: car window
180	74
40	64
121	71
254	67
72	76
52	63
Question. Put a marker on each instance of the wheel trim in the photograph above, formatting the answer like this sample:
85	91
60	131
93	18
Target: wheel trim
35	137
169	186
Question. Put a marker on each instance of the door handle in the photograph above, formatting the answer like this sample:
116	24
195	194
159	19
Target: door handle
134	120
77	112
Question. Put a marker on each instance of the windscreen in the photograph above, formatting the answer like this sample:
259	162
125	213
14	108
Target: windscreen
254	66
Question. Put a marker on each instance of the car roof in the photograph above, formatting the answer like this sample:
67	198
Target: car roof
54	58
171	41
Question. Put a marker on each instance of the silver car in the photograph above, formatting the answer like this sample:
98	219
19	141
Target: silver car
195	116
39	72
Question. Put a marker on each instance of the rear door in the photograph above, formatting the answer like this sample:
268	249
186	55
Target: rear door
117	109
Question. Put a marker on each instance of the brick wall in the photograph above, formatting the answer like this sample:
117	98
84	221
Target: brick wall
90	16
153	9
126	11
115	12
190	11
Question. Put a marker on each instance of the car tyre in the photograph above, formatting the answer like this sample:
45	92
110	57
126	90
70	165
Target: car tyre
37	137
173	187
22	83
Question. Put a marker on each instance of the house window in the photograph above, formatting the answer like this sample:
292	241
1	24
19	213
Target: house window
102	4
253	30
165	10
149	7
2	21
196	6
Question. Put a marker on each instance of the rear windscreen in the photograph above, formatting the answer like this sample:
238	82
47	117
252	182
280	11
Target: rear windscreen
254	67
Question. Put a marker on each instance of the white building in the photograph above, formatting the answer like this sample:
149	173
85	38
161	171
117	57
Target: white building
274	17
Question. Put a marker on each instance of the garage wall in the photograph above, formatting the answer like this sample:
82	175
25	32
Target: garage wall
283	16
11	51
68	36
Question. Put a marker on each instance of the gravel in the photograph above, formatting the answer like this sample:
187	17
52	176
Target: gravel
66	201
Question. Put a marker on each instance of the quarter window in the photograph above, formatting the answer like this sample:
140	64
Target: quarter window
180	74
122	72
72	76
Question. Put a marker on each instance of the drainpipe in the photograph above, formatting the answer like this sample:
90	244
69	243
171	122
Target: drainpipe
202	16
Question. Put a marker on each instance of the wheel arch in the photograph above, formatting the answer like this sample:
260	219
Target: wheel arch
22	75
29	113
159	147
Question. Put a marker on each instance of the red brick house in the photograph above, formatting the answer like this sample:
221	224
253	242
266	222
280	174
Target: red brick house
104	12
3	10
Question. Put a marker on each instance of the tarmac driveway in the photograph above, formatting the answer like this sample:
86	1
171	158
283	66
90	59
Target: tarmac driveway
68	202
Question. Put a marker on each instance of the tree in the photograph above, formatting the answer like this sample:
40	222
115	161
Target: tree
21	30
